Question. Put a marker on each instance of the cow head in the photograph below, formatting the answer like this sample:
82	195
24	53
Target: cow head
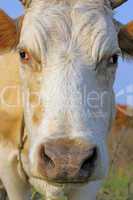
69	54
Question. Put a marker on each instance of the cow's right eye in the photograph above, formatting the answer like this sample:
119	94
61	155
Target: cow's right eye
24	56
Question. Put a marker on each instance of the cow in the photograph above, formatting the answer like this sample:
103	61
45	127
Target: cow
66	53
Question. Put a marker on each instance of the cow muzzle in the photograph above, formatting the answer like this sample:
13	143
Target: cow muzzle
66	160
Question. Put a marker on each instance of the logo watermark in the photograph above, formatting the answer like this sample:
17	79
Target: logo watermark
126	94
96	101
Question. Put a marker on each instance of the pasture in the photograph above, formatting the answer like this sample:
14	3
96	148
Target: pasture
119	184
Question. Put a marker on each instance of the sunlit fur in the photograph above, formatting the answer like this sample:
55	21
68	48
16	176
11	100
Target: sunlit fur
126	38
11	113
8	32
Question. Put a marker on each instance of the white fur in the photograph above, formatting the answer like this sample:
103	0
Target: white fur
72	40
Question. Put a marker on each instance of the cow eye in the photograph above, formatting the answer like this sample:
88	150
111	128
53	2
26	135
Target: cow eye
113	60
24	56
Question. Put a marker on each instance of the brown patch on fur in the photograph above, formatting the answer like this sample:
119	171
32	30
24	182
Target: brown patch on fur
8	32
11	96
10	116
126	38
35	66
38	114
10	127
34	99
34	95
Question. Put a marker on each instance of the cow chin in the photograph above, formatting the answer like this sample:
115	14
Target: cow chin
51	192
54	191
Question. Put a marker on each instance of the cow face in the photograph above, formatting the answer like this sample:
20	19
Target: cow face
69	59
69	53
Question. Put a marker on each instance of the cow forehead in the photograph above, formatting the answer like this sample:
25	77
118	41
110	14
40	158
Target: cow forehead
72	2
58	26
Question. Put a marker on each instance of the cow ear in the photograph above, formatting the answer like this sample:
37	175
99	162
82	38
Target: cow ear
9	35
125	38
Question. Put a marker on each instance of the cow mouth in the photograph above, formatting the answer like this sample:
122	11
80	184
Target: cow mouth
58	182
56	189
68	181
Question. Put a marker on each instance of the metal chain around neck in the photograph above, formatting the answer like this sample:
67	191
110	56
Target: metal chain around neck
22	141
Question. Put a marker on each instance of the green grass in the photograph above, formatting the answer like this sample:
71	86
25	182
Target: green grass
118	186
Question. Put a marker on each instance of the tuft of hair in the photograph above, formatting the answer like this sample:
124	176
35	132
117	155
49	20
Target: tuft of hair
126	40
8	33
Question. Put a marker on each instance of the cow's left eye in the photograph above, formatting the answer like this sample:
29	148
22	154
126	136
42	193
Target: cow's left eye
113	60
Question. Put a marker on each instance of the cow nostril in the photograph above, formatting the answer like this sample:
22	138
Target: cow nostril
90	160
48	162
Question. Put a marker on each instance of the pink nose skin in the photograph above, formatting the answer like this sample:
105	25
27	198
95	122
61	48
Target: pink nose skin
67	160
